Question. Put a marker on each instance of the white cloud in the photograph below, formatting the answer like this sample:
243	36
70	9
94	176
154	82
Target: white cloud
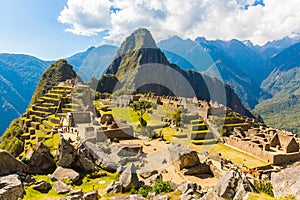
214	19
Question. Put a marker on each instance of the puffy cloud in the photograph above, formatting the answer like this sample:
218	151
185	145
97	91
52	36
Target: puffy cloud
259	21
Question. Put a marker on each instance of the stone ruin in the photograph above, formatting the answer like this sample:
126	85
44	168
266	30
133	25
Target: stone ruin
271	145
101	129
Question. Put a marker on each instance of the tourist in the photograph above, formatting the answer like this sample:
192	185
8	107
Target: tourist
222	163
269	175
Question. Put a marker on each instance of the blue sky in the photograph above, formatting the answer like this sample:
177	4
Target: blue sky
31	27
53	29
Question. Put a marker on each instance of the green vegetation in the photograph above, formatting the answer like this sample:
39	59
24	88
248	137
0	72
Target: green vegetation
234	155
140	107
57	72
86	183
281	111
11	139
264	186
176	118
159	187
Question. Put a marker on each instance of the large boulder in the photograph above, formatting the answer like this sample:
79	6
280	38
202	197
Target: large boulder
234	186
65	173
186	158
66	153
128	149
189	190
91	195
41	160
113	187
129	178
147	174
42	186
9	164
11	187
286	182
102	156
60	187
84	161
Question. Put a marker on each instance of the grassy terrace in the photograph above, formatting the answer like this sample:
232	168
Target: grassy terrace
196	132
239	124
49	98
49	124
229	153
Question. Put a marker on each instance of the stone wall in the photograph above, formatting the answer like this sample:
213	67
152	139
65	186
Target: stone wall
257	151
122	133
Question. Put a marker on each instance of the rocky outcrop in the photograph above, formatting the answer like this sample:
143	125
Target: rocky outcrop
101	155
66	155
84	162
286	182
186	159
65	173
128	149
189	190
114	187
233	186
153	179
10	165
129	178
41	160
147	174
60	187
91	195
42	186
11	187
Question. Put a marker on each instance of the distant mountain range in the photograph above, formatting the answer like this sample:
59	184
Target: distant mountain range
262	76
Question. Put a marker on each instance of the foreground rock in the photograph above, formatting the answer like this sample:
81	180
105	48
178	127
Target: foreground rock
65	173
83	160
114	187
41	160
189	190
11	187
129	178
128	149
102	156
60	187
186	159
286	182
91	195
9	164
66	155
233	186
42	186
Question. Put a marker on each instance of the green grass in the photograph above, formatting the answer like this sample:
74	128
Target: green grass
52	142
239	124
196	132
86	185
203	142
236	156
260	196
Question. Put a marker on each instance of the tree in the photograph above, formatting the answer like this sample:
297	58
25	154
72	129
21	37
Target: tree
177	117
140	107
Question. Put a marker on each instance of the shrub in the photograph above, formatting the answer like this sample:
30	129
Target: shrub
264	186
144	190
161	186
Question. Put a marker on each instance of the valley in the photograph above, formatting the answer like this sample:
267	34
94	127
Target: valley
151	129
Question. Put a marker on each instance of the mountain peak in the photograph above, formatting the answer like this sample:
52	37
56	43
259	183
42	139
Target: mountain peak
139	39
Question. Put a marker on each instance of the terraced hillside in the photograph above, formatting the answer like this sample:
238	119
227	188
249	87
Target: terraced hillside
42	119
